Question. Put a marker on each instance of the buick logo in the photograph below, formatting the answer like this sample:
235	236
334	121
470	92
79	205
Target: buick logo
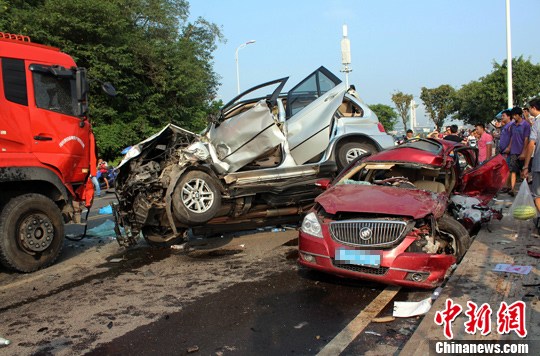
366	234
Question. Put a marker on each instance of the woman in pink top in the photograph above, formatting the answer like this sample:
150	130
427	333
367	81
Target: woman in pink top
485	143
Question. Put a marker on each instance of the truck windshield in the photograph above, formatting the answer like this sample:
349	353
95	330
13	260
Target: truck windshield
55	93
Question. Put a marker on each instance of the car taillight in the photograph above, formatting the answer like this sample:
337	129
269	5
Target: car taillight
381	127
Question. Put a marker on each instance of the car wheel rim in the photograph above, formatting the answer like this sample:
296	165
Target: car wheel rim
354	153
197	196
36	233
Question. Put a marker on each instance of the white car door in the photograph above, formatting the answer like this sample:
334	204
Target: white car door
311	106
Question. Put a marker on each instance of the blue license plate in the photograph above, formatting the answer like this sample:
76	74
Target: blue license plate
358	257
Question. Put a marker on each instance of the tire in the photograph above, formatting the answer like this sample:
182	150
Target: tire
350	150
196	198
462	239
41	244
158	236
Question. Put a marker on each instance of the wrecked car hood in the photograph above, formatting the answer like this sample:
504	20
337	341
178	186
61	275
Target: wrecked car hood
136	150
373	199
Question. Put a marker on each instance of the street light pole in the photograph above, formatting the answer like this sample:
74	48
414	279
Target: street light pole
237	67
509	57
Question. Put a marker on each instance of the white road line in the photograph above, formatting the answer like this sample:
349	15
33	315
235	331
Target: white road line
358	324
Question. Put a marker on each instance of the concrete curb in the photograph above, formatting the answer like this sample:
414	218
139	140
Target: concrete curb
474	280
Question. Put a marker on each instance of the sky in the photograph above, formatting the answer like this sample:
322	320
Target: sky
396	45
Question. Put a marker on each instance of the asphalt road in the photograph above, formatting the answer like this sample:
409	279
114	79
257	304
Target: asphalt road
242	295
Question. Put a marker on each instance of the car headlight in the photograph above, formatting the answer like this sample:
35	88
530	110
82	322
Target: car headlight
311	225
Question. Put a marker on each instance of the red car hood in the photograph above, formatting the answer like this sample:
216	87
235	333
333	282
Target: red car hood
377	199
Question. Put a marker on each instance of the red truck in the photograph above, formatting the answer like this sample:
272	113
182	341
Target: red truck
46	150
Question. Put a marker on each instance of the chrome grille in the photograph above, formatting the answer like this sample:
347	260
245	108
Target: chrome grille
368	233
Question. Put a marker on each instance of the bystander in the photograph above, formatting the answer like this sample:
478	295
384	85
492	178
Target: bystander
532	147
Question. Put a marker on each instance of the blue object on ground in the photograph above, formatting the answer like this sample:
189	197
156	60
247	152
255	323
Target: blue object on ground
106	210
105	229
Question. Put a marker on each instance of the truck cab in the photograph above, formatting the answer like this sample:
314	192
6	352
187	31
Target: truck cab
46	148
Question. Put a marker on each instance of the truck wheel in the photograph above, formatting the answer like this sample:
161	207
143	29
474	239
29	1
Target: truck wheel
31	233
158	236
461	240
196	198
350	150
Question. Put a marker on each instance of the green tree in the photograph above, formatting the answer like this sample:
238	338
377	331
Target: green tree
482	99
439	103
386	114
160	63
403	104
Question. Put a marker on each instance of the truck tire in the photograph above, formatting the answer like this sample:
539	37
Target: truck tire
196	198
348	151
31	233
462	240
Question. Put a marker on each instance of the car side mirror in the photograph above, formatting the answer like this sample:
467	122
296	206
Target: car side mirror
323	183
108	88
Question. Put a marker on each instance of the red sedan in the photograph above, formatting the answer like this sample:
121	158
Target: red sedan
403	216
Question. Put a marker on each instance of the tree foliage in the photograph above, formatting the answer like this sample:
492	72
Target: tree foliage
480	100
386	114
160	63
439	103
403	103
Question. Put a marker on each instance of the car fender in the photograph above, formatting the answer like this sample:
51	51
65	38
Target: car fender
334	143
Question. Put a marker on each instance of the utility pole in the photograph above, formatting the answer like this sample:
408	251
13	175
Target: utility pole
346	55
509	57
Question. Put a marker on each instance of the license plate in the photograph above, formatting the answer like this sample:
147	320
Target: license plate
358	257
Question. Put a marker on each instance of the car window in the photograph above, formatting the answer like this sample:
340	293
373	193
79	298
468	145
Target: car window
350	109
309	89
464	161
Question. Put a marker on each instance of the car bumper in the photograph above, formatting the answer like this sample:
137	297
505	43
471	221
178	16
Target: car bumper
397	267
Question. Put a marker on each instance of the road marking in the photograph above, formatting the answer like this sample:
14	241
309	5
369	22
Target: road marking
358	324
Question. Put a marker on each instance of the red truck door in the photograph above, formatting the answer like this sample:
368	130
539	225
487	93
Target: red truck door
60	137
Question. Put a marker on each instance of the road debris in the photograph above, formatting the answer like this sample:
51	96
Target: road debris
301	325
409	309
505	267
192	349
372	333
384	319
4	342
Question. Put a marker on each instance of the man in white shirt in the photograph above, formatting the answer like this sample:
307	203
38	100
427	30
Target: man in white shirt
534	109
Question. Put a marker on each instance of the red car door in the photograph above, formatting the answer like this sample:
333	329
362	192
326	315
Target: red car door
480	181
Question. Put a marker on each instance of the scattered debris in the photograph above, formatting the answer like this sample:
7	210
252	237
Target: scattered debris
105	229
405	331
242	245
408	309
384	319
116	260
317	337
192	349
179	247
105	210
4	342
110	325
372	333
301	325
533	251
505	267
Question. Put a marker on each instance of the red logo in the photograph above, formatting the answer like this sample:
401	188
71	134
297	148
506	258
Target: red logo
509	318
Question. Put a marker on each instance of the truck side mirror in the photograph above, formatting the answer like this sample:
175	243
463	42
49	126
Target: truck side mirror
82	89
